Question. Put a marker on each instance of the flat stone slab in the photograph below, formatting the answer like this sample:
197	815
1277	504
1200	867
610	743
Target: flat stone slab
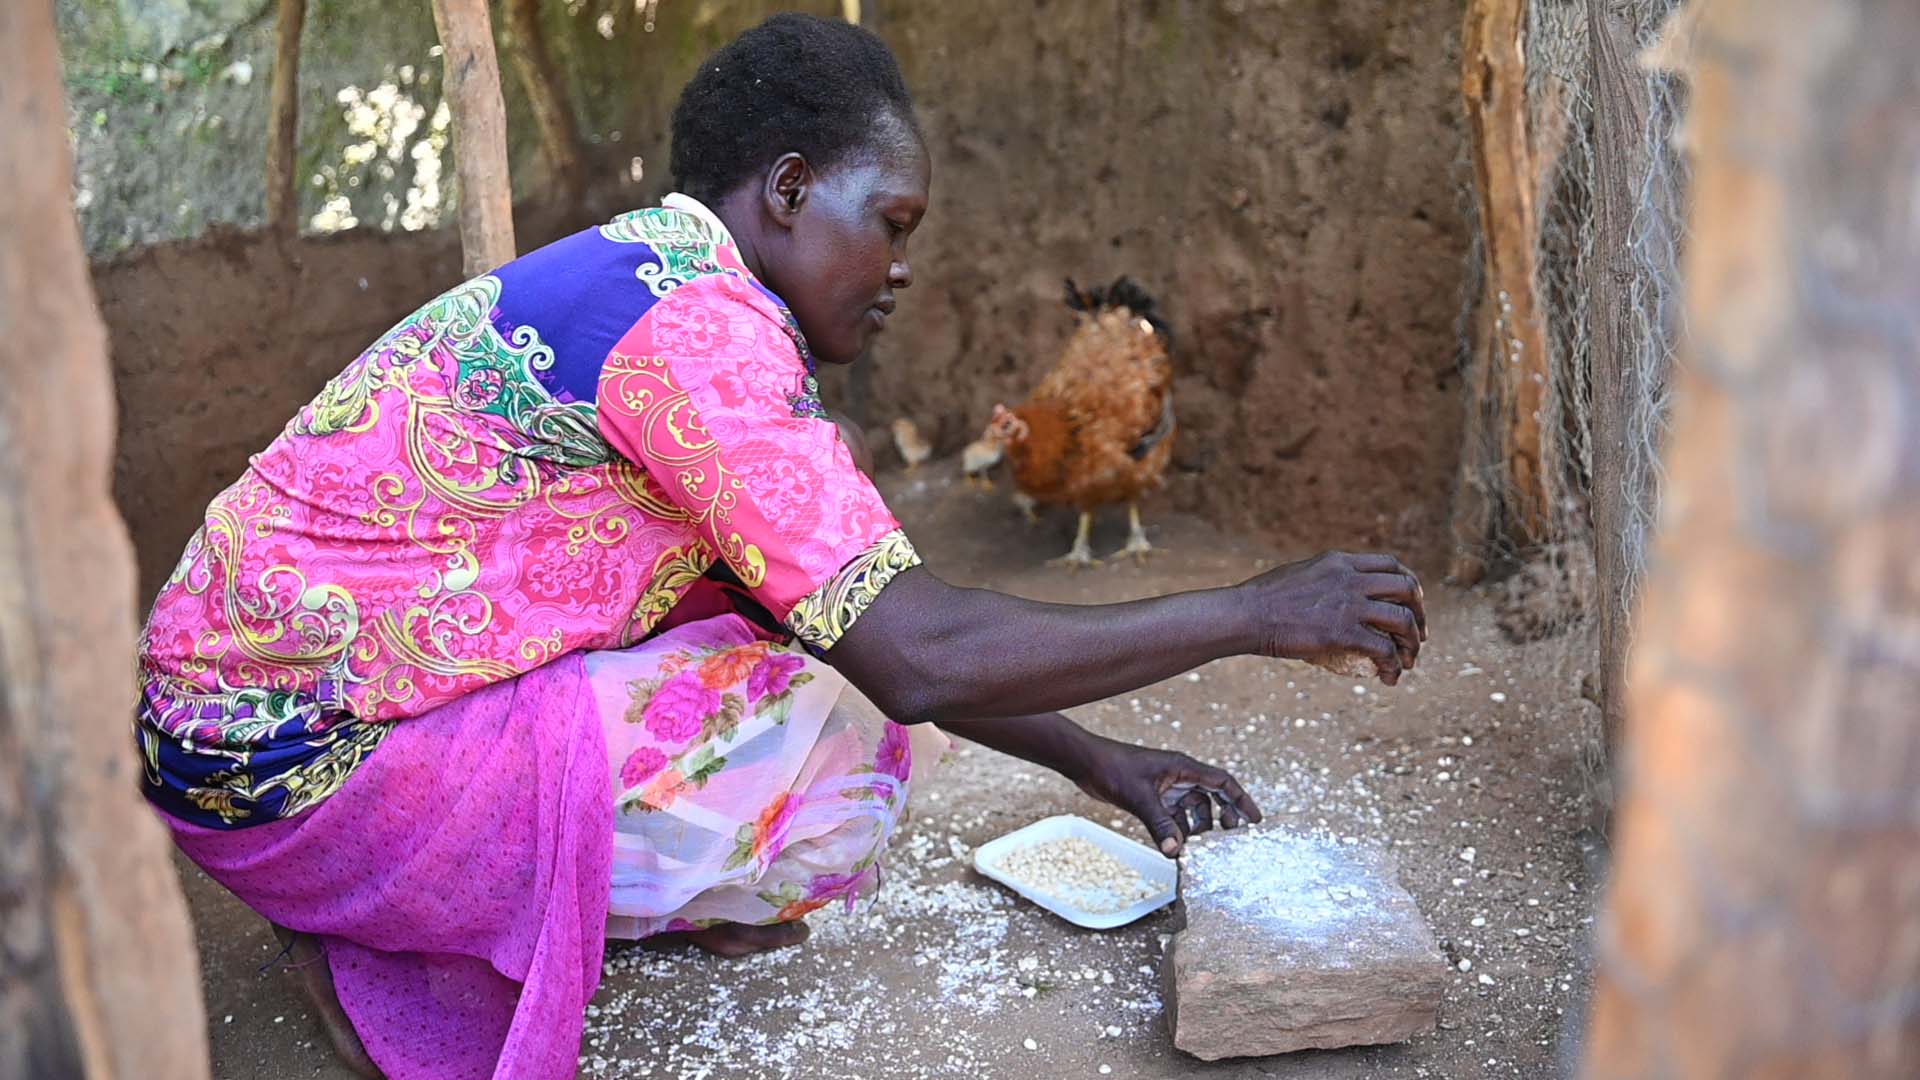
1296	942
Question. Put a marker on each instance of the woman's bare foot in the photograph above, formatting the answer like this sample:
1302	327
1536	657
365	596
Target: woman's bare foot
740	939
307	960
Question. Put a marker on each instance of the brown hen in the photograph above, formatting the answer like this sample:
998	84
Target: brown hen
1099	428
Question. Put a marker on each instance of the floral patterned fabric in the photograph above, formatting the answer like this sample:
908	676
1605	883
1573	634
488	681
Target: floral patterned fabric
463	884
541	461
751	783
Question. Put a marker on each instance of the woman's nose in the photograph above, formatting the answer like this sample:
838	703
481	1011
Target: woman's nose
900	275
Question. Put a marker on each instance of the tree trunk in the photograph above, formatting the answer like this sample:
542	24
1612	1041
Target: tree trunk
1512	375
1764	919
98	976
547	94
283	122
1620	110
479	133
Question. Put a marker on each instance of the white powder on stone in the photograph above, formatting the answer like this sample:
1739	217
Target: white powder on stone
1278	877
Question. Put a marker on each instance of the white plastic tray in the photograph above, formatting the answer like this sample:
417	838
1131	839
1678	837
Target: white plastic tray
1160	871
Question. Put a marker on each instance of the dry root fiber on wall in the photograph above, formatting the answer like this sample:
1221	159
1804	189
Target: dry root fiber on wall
1572	318
1528	470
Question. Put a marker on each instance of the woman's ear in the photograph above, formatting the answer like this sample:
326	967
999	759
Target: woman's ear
789	182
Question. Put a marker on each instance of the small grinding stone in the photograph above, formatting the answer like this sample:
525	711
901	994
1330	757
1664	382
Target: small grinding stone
1293	943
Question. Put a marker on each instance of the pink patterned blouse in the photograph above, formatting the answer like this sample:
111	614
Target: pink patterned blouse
542	460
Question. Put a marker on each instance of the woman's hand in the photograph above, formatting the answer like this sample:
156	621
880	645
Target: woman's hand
1336	605
1173	795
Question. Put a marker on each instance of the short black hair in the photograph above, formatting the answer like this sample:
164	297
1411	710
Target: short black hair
796	83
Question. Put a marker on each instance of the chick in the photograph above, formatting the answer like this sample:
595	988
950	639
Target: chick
914	447
979	458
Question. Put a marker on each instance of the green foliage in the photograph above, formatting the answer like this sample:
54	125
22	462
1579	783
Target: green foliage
169	103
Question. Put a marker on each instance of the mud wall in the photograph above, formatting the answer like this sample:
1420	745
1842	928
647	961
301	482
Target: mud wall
1278	172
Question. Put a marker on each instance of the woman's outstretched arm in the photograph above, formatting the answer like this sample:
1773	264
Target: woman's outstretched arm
927	651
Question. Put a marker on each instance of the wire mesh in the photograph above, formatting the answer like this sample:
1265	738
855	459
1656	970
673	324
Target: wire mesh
1550	587
1547	584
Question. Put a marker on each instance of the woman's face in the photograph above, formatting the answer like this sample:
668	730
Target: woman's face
845	250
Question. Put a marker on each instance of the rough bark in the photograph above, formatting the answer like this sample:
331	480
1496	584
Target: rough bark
98	976
479	133
547	95
1620	110
1510	339
1764	918
283	122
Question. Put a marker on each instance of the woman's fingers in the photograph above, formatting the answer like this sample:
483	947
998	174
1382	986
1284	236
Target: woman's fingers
1235	806
1199	810
1167	833
1389	579
1228	792
1398	623
1203	812
1378	647
1317	610
1376	563
1399	588
1229	814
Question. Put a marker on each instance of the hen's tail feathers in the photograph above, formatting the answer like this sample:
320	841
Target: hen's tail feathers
1082	301
1123	293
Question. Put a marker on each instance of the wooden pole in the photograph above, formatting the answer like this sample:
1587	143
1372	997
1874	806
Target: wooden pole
283	121
98	975
1512	370
1764	917
1620	108
479	133
547	94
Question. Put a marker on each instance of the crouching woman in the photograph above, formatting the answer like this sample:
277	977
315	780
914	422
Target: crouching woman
563	610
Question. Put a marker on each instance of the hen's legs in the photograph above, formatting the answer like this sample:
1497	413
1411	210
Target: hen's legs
1082	553
1137	546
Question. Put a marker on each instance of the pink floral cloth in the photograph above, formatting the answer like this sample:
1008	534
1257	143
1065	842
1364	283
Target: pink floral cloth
751	784
458	884
463	883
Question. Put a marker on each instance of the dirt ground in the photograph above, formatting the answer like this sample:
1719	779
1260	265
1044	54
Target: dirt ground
1469	772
